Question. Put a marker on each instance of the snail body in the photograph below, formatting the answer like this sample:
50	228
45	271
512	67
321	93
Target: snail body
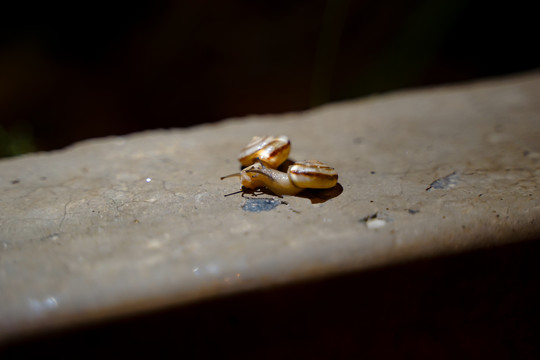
310	174
271	151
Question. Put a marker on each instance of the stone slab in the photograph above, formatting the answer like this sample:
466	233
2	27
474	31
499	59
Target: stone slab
118	225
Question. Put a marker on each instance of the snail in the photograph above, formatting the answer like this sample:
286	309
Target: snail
271	151
264	154
310	174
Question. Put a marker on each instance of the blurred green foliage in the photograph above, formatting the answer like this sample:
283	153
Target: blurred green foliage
17	140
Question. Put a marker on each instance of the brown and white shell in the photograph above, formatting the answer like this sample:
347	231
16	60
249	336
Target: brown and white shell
271	151
312	174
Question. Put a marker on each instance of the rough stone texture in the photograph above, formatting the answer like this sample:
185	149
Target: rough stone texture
117	225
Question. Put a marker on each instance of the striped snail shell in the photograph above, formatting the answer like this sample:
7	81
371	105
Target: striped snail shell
312	174
271	151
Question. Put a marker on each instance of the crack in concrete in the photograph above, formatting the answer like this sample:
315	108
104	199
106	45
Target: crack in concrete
64	216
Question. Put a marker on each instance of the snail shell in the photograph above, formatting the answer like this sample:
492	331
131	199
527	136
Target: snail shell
271	151
312	174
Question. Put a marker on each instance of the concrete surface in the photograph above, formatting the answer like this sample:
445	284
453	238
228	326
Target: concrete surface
114	226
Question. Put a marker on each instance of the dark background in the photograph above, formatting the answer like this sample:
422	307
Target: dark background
91	69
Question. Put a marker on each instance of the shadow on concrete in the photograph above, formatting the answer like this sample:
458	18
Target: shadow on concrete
318	196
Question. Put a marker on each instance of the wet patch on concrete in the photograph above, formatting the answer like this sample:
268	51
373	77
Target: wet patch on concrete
260	204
